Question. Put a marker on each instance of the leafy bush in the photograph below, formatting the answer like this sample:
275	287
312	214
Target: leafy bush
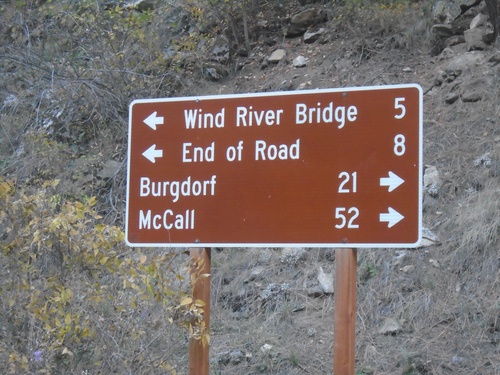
73	297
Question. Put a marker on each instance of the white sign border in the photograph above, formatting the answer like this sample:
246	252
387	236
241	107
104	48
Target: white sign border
274	94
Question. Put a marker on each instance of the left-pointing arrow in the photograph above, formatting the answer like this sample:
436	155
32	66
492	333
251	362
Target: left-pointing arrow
152	153
391	218
152	120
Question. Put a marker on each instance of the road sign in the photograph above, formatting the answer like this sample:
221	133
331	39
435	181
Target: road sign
322	168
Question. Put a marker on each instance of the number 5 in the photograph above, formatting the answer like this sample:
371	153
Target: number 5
398	104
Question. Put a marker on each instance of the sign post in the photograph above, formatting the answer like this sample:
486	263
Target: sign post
344	312
200	265
335	168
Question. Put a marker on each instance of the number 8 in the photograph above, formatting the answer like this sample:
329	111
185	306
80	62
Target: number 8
399	145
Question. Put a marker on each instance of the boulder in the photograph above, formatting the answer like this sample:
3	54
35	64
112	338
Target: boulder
326	281
277	56
464	18
312	36
300	61
432	180
300	22
474	39
390	326
220	50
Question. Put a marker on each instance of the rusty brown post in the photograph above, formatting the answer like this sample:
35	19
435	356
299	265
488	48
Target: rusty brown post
345	312
199	353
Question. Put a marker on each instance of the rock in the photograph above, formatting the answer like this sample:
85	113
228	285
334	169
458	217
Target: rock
428	238
478	21
315	291
446	11
474	39
236	356
432	180
232	357
220	50
471	96
141	5
459	361
11	101
434	263
473	90
447	54
495	58
390	327
300	62
291	255
455	40
254	274
451	98
484	160
266	349
304	85
109	169
213	72
301	21
399	257
277	56
465	61
408	269
442	30
275	291
312	36
488	35
326	281
177	21
265	255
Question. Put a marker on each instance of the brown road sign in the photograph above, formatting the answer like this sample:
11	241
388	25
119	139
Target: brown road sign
323	168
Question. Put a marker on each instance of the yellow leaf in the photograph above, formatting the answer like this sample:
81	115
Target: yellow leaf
67	352
67	320
186	301
205	339
103	260
199	303
143	259
85	332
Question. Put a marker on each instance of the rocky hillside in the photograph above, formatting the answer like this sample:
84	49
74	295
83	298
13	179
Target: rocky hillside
75	299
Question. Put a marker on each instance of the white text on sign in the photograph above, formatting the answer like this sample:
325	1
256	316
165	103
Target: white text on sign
248	116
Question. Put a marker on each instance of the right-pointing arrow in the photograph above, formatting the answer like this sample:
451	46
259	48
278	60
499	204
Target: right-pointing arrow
152	153
393	181
391	218
152	120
